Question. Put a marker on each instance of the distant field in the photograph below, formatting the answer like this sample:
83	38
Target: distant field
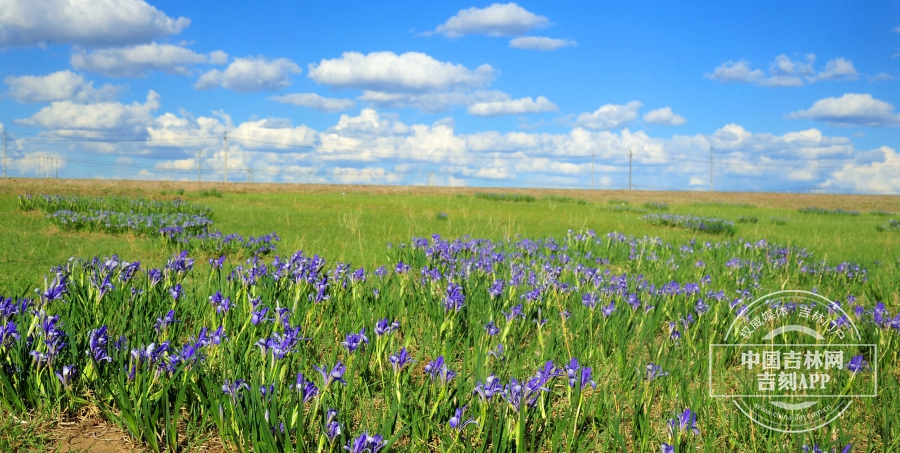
355	223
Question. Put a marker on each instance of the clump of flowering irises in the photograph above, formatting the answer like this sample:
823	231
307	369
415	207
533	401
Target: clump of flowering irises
451	345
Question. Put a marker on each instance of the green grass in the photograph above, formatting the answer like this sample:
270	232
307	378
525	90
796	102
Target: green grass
516	198
357	227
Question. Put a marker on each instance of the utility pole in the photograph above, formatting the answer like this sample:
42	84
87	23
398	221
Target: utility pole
4	152
226	157
592	170
249	174
710	168
630	154
431	178
198	166
56	166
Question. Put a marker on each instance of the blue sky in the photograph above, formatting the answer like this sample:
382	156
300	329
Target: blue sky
791	97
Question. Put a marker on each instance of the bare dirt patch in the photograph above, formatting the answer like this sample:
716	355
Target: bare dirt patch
91	433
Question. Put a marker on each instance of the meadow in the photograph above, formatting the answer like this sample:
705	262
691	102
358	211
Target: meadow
424	319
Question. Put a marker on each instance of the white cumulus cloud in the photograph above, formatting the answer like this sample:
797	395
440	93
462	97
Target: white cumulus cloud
512	107
68	115
785	72
878	176
664	117
851	109
138	61
431	102
838	69
387	71
91	23
610	116
496	20
58	86
314	101
251	74
540	43
738	71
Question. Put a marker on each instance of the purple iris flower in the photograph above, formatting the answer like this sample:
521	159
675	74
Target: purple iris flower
176	291
267	390
491	329
332	427
97	345
284	316
219	335
383	326
281	344
8	333
234	389
401	268
180	263
857	364
455	299
68	372
586	377
590	300
456	421
10	308
56	290
121	343
336	374
217	263
609	309
358	275
190	354
104	287
400	360
365	443
687	421
155	276
203	338
380	272
675	335
497	353
548	372
654	371
438	369
522	394
489	388
222	304
701	307
163	322
307	389
496	289
633	301
259	316
571	370
514	312
666	448
355	340
320	286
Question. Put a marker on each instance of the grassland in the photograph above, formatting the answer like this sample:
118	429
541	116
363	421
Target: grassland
355	223
441	315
